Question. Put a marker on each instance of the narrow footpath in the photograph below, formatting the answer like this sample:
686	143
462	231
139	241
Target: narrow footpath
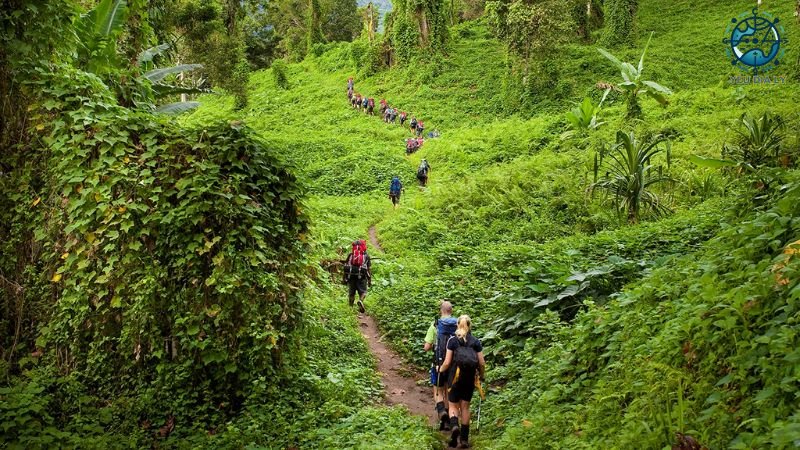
399	380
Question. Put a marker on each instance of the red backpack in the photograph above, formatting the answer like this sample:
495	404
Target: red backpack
359	253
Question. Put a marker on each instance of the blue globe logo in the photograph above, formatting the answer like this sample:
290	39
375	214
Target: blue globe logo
754	42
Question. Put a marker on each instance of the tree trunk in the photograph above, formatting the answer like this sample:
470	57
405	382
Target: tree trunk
423	27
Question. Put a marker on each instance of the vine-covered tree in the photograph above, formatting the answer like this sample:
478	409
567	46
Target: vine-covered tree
620	22
418	25
532	32
314	33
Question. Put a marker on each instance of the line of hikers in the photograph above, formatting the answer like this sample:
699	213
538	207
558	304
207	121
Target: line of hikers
458	366
388	113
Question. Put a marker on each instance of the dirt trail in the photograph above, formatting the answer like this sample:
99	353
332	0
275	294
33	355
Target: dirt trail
373	239
399	379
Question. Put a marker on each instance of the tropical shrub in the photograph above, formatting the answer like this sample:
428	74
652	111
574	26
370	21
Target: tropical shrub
279	74
583	117
631	175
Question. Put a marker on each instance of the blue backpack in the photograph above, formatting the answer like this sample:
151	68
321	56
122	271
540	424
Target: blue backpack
445	329
396	186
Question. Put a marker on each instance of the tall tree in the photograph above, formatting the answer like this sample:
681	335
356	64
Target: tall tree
341	20
314	24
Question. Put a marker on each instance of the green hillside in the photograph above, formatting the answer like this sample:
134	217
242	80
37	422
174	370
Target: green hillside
507	220
599	331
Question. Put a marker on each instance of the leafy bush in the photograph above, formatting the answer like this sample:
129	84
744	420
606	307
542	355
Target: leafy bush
157	241
279	70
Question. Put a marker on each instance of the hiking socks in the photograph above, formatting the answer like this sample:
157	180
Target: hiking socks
464	439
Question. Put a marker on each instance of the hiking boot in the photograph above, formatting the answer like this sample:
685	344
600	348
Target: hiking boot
455	432
361	307
444	423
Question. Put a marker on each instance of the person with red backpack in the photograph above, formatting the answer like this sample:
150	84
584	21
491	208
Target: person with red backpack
439	333
466	367
358	273
403	116
371	106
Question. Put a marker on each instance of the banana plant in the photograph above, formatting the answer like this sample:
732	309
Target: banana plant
631	175
633	83
583	117
161	89
97	32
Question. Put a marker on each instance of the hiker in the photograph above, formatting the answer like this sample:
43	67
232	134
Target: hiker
371	106
356	99
357	273
439	333
383	107
395	189
393	116
411	146
350	83
422	172
467	368
387	113
350	94
364	104
420	128
402	118
413	124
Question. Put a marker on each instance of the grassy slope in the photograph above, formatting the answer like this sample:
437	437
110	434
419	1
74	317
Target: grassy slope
505	190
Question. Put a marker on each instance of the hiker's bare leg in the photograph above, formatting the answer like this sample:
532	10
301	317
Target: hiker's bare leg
464	407
453	408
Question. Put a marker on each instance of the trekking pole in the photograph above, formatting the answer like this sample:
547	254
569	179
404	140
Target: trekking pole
478	425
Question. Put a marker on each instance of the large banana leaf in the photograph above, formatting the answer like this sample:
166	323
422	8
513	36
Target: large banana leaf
150	53
159	74
111	14
177	107
161	90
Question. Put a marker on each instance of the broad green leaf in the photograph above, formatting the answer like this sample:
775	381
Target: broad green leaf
150	53
112	15
711	162
610	57
159	74
177	107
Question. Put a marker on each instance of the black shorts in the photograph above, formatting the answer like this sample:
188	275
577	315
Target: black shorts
395	198
462	389
356	284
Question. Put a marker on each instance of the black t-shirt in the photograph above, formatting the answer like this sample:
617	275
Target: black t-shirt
471	341
466	379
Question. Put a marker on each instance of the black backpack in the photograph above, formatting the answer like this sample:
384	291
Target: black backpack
465	356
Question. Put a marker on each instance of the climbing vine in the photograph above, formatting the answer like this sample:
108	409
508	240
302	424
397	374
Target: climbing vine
620	22
417	25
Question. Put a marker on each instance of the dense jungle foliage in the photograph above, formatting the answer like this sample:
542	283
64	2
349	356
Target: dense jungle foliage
620	220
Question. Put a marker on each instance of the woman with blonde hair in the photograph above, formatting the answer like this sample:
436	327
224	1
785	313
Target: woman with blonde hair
465	354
